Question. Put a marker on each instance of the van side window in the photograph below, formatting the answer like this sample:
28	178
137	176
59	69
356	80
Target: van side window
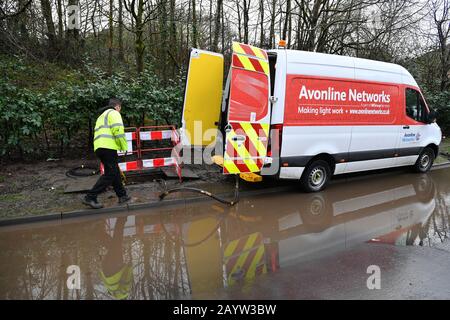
415	106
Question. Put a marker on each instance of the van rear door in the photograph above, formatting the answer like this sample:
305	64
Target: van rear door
202	98
248	114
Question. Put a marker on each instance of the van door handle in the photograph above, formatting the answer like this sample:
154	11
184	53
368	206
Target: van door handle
239	138
406	127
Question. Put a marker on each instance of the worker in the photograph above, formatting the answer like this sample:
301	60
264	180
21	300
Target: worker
109	137
116	274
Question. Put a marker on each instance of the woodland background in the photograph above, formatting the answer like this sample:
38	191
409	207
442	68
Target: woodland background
54	78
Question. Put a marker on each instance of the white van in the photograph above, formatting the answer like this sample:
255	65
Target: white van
306	115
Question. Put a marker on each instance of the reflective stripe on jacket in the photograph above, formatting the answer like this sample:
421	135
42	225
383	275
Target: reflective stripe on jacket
109	132
119	284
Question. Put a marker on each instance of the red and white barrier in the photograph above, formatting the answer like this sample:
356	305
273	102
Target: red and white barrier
129	166
158	162
149	134
155	135
130	137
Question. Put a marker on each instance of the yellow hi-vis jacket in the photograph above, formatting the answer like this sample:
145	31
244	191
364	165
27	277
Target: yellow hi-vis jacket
109	132
119	284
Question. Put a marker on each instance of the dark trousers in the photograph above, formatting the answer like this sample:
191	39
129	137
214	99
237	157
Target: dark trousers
111	176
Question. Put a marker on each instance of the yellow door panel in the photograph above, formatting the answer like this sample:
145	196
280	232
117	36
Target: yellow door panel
204	261
203	98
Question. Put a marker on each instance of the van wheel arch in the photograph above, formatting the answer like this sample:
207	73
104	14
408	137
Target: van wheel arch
326	157
433	147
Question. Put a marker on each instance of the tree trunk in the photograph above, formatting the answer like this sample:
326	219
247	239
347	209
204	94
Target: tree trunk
238	8
139	37
23	21
110	36
217	26
73	41
60	19
313	25
194	24
163	32
223	31
286	20
47	13
210	24
272	24
120	29
173	38
261	11
246	19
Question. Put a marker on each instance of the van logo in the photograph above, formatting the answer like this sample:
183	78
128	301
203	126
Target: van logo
418	137
409	137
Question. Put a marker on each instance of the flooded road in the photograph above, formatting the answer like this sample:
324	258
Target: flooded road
208	250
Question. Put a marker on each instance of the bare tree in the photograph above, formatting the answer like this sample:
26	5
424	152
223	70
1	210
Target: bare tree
10	11
51	35
120	30
440	11
217	26
139	19
194	24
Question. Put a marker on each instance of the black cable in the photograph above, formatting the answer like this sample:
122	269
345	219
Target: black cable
164	194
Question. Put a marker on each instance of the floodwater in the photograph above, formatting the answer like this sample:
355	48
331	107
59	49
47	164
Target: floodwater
196	249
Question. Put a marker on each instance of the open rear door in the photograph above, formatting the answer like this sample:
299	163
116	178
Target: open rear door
202	98
248	120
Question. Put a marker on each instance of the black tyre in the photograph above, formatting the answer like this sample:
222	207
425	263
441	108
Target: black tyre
316	176
424	188
425	160
316	210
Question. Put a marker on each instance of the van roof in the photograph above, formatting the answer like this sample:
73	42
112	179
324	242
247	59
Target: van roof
321	64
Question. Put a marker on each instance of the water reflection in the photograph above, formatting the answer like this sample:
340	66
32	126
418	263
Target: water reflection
188	251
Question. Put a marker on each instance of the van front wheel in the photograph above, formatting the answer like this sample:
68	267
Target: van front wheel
316	176
425	160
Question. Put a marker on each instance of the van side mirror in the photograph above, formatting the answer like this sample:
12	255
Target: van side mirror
431	116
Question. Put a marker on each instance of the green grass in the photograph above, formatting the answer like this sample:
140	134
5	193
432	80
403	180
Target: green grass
445	145
11	197
440	160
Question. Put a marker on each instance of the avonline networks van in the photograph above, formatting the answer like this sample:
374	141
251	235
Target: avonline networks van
306	115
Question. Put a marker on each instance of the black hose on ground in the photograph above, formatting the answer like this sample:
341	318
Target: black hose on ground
164	194
82	171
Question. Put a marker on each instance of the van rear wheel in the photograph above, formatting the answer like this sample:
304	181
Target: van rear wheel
316	176
425	160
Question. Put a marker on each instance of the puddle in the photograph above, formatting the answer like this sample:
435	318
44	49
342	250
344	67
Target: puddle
186	251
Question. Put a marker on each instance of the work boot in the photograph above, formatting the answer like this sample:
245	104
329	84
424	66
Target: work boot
93	203
124	198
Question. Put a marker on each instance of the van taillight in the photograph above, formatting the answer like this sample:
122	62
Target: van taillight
275	144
